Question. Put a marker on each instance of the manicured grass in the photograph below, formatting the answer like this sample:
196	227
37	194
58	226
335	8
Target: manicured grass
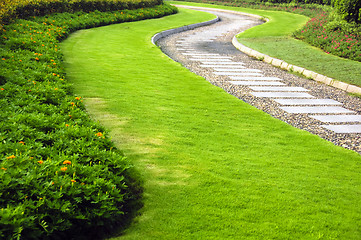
213	166
274	39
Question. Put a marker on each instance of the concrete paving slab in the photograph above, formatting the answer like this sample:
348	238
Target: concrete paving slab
257	83
222	66
210	57
337	118
319	109
280	89
238	74
343	128
240	69
212	61
256	78
282	94
307	102
201	54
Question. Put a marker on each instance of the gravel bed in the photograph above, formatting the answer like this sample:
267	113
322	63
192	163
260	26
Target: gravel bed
223	46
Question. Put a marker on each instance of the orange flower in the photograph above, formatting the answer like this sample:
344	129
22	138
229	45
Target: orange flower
66	125
73	181
37	59
67	162
72	103
41	162
3	168
63	169
99	134
10	157
78	98
21	142
2	89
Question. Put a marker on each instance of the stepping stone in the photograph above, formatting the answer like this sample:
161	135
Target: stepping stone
225	67
327	109
257	78
256	83
201	54
238	73
307	102
282	95
239	69
210	57
213	59
337	118
343	128
280	89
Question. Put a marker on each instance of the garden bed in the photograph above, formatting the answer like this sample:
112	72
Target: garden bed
60	173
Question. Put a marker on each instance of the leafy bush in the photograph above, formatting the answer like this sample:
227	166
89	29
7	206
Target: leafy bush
350	10
10	10
333	36
60	175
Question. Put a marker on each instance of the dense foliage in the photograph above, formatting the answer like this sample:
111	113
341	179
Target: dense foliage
333	36
60	174
350	10
10	9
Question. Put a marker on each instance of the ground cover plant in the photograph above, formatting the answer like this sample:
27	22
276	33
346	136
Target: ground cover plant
213	166
60	175
274	38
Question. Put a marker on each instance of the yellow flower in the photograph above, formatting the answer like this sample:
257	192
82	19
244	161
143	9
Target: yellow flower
67	162
10	157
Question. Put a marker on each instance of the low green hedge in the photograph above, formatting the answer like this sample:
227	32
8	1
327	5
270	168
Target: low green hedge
10	10
60	175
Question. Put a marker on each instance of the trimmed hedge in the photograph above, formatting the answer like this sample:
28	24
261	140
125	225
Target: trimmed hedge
10	10
60	175
350	10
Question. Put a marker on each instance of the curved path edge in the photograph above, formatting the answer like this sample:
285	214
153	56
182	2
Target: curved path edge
261	56
165	33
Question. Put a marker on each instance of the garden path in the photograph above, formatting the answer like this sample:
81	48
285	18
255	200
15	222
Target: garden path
312	106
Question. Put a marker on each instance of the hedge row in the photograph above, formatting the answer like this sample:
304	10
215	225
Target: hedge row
350	10
60	175
10	9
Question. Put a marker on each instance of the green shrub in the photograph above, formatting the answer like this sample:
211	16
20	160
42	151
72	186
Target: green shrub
60	175
349	9
10	10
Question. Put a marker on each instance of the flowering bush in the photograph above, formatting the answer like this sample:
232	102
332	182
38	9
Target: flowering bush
330	37
60	174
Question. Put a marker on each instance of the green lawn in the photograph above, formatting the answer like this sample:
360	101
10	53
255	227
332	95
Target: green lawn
213	166
274	39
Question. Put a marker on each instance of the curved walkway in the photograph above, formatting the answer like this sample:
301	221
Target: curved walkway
312	106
